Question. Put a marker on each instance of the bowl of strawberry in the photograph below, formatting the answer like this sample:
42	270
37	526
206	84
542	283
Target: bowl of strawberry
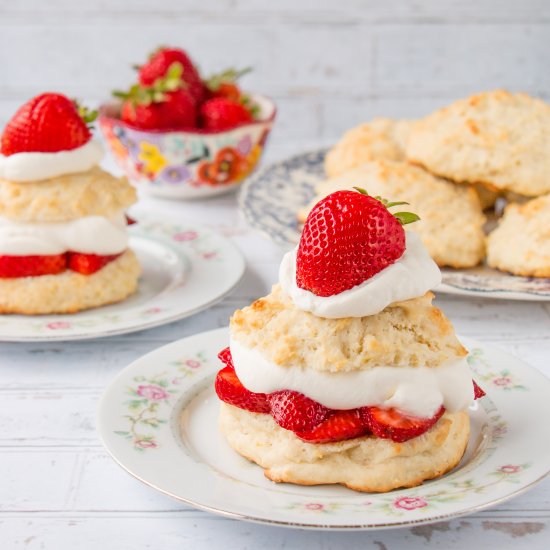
178	135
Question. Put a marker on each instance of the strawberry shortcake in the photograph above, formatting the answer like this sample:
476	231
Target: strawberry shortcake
63	228
346	373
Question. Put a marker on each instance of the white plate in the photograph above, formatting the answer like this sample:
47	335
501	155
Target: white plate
158	419
185	270
271	198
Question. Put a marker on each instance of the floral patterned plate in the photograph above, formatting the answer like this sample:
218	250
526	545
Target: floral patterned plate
271	198
181	267
158	419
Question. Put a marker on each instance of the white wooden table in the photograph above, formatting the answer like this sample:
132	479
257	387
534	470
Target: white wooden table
60	491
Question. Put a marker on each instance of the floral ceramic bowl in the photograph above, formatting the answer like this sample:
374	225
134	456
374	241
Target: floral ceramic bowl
187	164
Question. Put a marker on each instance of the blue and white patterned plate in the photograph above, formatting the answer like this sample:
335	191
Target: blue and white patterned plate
271	198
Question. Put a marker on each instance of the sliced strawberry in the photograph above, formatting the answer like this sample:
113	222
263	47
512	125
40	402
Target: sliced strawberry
338	426
296	412
393	424
12	267
130	220
225	357
88	263
478	392
230	390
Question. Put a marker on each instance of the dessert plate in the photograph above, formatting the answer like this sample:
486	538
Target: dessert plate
158	419
186	269
271	198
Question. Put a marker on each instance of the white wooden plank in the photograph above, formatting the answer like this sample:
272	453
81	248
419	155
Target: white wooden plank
202	532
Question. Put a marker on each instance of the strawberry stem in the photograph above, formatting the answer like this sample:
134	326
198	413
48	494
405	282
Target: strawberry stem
403	218
231	75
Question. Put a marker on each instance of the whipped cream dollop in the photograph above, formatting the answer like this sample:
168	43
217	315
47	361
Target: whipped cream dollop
87	235
410	276
417	391
40	166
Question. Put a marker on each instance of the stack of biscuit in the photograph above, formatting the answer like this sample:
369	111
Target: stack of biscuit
453	165
63	228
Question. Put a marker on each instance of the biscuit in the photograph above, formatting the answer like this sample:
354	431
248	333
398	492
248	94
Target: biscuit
496	138
382	138
64	198
411	333
69	292
365	464
521	242
451	225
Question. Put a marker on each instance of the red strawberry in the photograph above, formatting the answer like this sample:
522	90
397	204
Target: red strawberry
88	263
224	84
176	110
393	424
339	425
31	266
221	113
230	390
347	238
130	220
47	123
478	392
161	61
296	412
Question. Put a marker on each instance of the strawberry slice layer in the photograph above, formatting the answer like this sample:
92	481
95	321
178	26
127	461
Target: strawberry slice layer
395	425
230	390
86	264
315	423
12	267
339	425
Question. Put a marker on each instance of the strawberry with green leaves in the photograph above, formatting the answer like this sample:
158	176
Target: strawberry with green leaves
47	123
164	60
348	238
164	105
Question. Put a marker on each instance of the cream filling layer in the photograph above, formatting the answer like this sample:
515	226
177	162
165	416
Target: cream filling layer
417	391
41	166
87	235
410	276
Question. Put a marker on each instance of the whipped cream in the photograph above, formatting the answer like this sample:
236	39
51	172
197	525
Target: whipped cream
410	276
417	391
40	166
88	235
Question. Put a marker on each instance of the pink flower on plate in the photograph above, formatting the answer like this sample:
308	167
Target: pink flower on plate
153	310
193	363
209	255
314	506
56	325
145	444
410	503
186	236
152	392
510	469
502	381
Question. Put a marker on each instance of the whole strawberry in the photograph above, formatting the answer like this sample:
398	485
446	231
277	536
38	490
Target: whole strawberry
348	238
47	123
221	113
163	106
162	60
224	84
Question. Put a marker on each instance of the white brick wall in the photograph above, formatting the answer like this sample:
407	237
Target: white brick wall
329	64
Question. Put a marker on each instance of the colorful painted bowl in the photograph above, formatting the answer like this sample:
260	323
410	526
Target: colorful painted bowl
187	164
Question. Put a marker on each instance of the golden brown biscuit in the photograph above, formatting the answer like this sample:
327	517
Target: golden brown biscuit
69	291
411	333
496	138
521	242
64	198
451	225
382	138
364	464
